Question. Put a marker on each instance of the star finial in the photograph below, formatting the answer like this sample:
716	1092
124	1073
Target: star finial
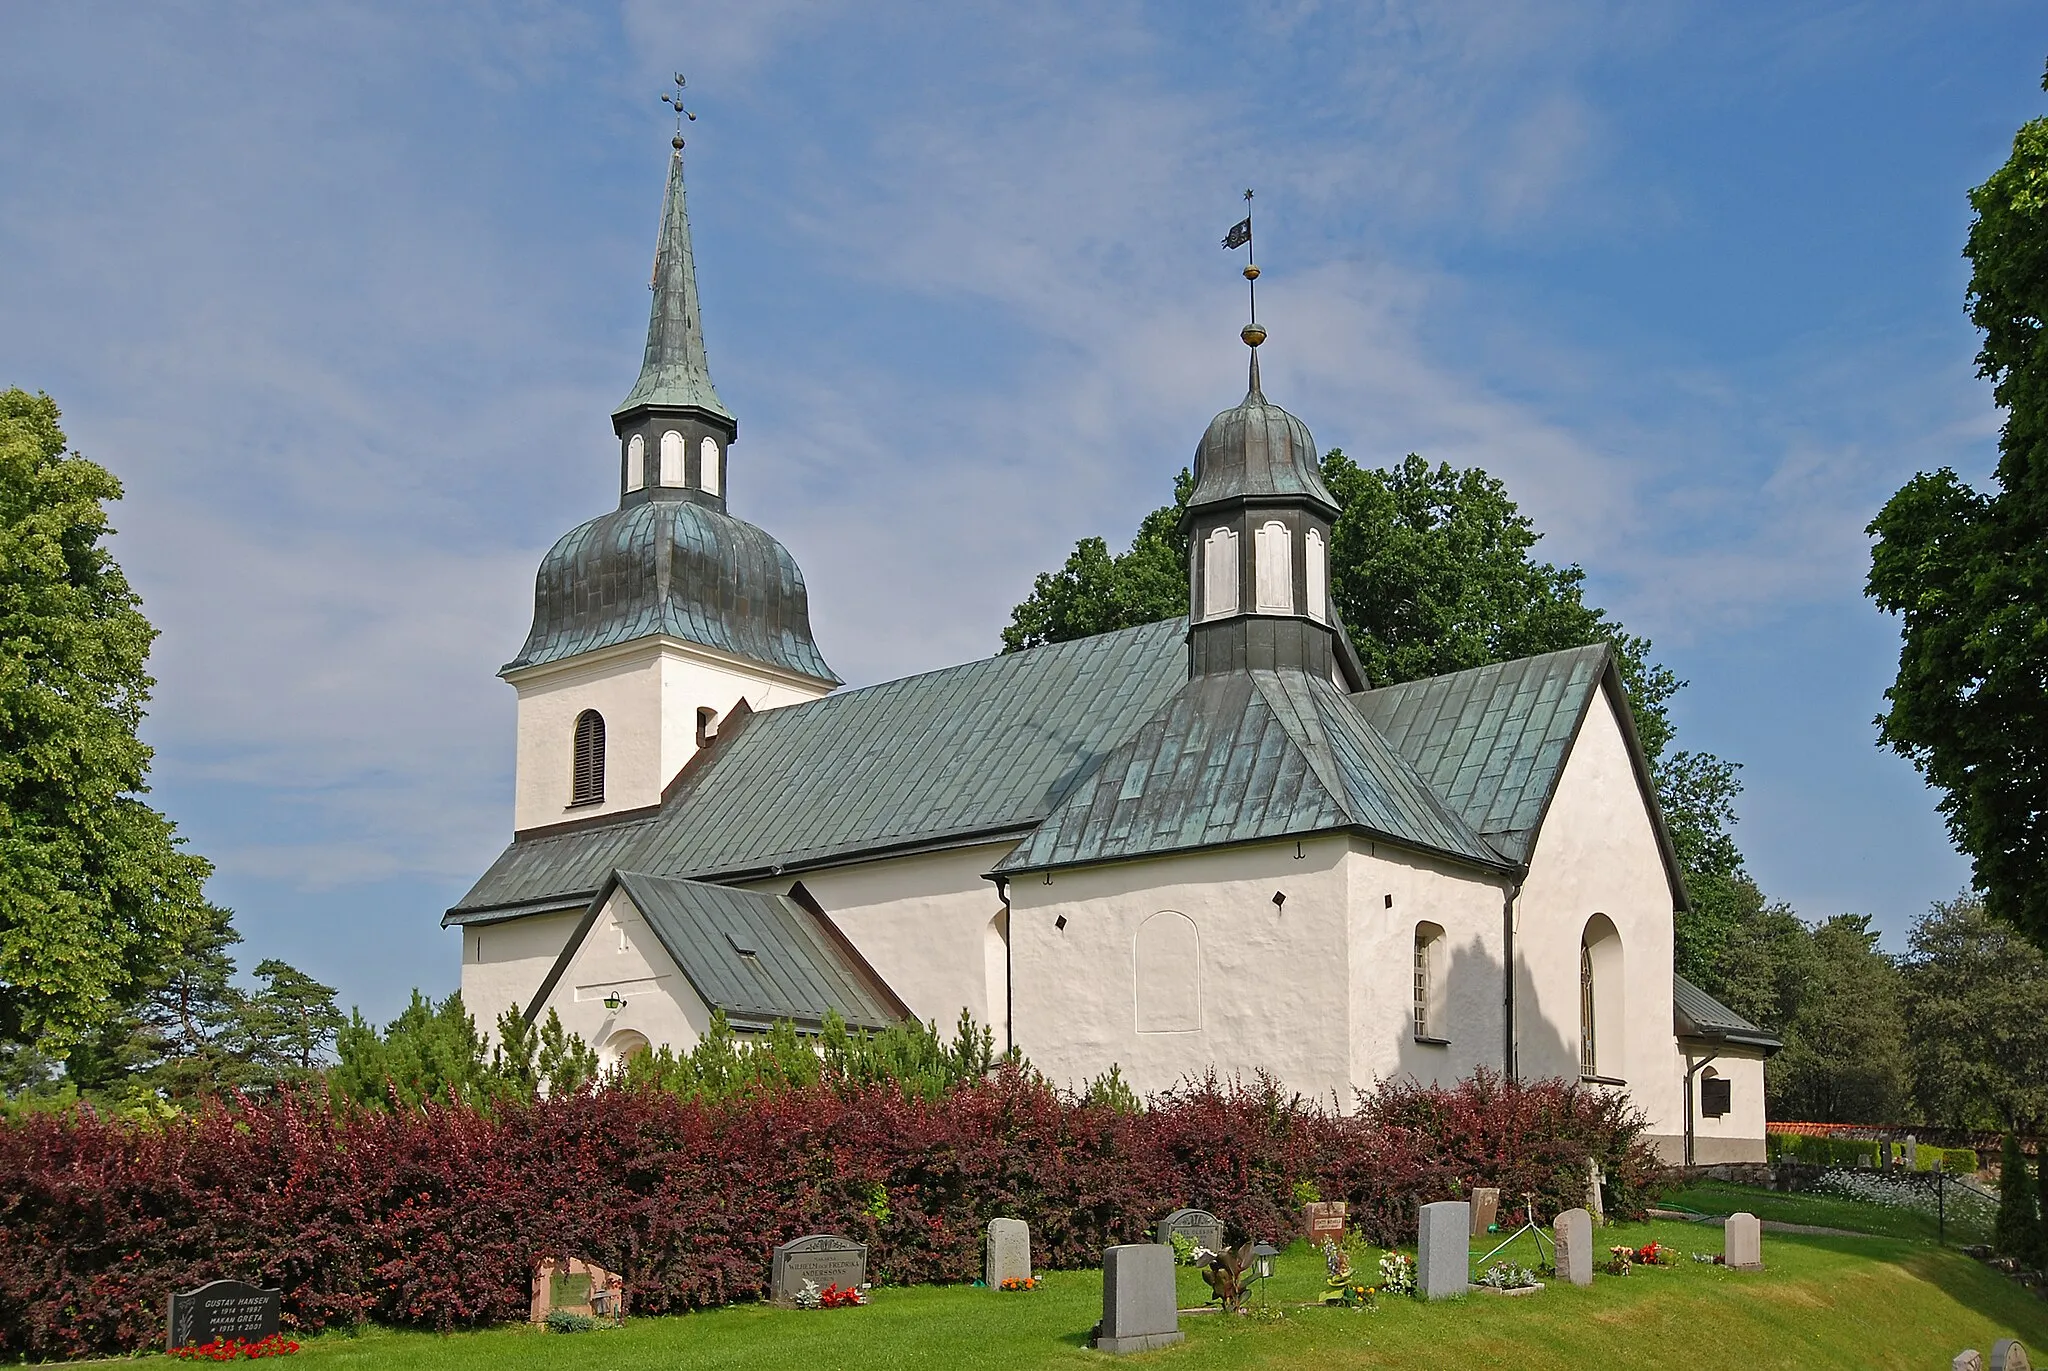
675	99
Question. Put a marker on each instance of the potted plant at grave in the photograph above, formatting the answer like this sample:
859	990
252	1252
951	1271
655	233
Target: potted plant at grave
1507	1277
1342	1286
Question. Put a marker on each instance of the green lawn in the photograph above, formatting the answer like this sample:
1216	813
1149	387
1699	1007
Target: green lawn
1822	1302
1965	1225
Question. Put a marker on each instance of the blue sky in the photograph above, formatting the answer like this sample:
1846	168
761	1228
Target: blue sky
345	294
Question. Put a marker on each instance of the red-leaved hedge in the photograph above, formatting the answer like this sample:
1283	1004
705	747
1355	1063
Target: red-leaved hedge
432	1217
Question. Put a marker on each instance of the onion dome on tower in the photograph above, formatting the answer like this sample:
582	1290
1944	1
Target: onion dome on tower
669	561
1258	526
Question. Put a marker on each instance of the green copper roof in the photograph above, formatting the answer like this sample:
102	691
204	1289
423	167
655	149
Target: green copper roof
1696	1014
1258	450
989	747
1243	756
676	568
675	371
1492	741
758	957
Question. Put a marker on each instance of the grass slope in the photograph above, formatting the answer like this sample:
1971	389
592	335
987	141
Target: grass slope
1825	1211
1822	1302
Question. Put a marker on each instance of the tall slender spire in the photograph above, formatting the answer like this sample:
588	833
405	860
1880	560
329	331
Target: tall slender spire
674	372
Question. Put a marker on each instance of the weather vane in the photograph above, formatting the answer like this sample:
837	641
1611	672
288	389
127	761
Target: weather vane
1240	236
675	99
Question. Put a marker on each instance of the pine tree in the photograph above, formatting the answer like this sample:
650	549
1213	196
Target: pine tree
2018	1225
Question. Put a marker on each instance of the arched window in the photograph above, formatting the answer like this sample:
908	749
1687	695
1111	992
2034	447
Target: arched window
707	466
1316	560
1167	979
1600	1003
587	784
671	458
624	1045
636	462
1274	559
707	725
1429	983
1219	573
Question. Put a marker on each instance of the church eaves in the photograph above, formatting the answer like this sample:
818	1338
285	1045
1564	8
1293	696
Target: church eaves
675	373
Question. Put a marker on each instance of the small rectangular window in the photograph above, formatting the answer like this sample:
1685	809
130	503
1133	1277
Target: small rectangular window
1716	1096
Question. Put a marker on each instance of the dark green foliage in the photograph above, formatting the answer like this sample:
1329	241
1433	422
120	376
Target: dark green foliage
1097	593
429	1052
290	1021
725	1065
1967	572
1845	1053
1976	1020
2018	1231
94	886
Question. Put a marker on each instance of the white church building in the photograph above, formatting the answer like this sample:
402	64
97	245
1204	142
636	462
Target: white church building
1203	843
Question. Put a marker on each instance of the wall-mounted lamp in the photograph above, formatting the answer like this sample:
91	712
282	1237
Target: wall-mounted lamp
615	1002
1279	898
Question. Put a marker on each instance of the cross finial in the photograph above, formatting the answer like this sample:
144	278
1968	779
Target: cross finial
675	99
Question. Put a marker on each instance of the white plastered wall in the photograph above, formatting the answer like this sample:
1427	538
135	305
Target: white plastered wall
923	923
620	955
1271	988
503	964
649	693
1738	1135
1598	854
1468	907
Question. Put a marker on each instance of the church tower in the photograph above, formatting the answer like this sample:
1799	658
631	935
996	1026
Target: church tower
1258	526
653	621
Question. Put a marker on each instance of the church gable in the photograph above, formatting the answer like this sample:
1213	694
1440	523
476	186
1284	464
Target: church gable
758	957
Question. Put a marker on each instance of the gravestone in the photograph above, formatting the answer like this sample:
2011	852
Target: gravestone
823	1259
1912	1153
1573	1232
1008	1256
1202	1228
574	1286
1969	1359
1742	1243
222	1311
1139	1309
2008	1355
1443	1260
1596	1179
1485	1209
1323	1222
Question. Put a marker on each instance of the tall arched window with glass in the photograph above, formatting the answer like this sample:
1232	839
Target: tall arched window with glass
1589	1036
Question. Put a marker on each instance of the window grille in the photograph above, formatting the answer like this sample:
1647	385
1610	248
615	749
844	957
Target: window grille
1589	1062
1422	943
587	784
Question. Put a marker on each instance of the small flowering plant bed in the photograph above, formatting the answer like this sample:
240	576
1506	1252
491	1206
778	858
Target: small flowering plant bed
1620	1261
831	1297
1652	1254
1397	1273
1507	1277
1019	1283
1342	1287
234	1349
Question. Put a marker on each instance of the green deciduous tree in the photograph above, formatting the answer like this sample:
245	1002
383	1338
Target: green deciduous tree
1845	1050
1966	571
1976	1020
94	884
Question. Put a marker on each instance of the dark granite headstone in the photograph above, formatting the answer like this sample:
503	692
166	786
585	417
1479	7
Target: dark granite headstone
1202	1228
824	1259
222	1311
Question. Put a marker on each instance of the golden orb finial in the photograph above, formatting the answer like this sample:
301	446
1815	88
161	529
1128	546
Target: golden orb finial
1253	334
1251	272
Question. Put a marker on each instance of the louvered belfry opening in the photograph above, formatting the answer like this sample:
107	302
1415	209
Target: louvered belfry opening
587	786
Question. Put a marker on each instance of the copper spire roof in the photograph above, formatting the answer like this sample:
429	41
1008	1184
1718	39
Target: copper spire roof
675	372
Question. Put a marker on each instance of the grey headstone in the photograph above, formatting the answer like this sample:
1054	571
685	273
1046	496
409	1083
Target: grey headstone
1201	1227
824	1258
1009	1252
1573	1230
1485	1208
229	1310
1139	1308
1969	1359
1742	1243
1443	1261
1912	1153
2008	1355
